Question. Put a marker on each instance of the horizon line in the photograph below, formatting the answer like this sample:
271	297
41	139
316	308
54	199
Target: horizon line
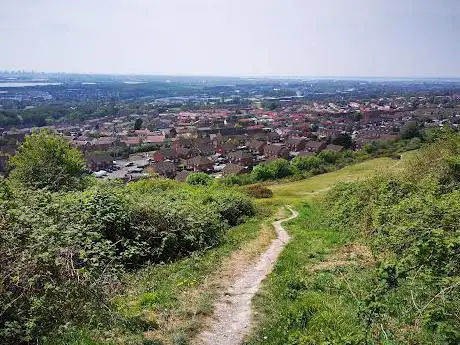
236	76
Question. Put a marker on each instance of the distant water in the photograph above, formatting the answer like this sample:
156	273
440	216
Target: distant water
134	82
9	84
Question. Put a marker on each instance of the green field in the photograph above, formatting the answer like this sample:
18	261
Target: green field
303	190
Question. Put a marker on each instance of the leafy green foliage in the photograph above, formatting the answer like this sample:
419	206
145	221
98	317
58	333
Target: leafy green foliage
62	254
411	219
137	124
235	180
262	172
276	169
410	130
280	168
302	164
343	139
199	178
46	160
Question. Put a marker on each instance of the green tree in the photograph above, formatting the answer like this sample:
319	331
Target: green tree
198	178
343	139
46	160
410	130
300	164
137	124
329	157
280	168
262	172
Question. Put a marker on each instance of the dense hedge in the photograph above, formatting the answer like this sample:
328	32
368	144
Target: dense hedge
411	220
61	254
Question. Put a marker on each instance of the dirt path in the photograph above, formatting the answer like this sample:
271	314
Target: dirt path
232	311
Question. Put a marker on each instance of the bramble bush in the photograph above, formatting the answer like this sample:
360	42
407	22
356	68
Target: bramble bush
61	254
412	223
199	178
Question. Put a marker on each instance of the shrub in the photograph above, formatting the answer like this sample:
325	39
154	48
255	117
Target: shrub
232	206
259	191
235	180
280	168
305	164
53	270
262	172
199	178
329	157
410	219
175	228
46	160
61	254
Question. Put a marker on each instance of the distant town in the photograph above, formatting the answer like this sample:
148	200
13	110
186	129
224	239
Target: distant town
131	127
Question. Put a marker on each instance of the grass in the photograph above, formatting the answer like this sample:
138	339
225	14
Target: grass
301	305
168	304
305	189
314	294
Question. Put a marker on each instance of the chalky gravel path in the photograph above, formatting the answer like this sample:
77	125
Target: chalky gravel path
231	319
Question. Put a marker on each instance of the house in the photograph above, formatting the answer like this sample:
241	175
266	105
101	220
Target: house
273	137
240	157
305	154
199	163
276	151
232	169
315	146
166	169
131	141
335	148
104	143
164	154
154	139
182	175
186	153
227	147
182	143
257	146
217	139
296	144
99	161
205	148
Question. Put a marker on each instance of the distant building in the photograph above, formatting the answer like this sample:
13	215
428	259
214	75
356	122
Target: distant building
233	169
240	157
166	169
276	151
199	163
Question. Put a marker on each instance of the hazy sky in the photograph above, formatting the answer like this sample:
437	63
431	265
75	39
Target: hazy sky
233	37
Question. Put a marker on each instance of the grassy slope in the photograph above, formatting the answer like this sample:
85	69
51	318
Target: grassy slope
299	304
304	190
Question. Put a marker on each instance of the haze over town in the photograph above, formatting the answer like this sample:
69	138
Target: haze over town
387	38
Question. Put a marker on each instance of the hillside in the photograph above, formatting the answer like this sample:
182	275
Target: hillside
371	258
374	261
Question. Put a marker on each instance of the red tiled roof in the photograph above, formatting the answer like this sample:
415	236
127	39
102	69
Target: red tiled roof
131	140
155	139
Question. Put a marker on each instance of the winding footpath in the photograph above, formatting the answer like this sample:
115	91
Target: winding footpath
232	312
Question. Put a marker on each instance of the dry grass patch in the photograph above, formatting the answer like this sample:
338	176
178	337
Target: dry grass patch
350	254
